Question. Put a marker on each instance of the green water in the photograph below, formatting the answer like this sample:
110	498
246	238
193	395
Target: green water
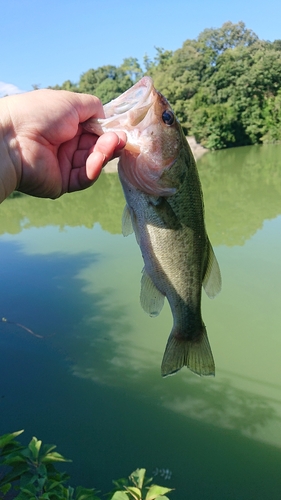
92	385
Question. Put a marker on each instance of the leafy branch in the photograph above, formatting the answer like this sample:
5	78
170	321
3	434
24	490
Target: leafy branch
29	473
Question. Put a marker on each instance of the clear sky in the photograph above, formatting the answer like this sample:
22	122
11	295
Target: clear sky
48	42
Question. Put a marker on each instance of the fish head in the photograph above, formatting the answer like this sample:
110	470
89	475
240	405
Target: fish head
154	137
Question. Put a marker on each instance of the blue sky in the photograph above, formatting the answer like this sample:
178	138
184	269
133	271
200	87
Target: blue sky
48	42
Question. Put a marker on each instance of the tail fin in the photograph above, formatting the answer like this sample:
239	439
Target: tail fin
196	355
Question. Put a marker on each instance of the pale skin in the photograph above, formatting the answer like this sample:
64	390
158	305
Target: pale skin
44	150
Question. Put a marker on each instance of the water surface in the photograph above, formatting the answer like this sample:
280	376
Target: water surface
92	384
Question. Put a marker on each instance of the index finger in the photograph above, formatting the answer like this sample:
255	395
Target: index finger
86	105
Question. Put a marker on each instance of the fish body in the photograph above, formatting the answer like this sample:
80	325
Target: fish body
165	210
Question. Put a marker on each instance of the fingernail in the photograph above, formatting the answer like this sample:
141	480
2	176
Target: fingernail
104	160
99	158
121	143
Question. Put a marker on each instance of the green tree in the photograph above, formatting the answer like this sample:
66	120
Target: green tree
106	82
194	78
272	118
213	42
67	85
132	69
242	82
224	86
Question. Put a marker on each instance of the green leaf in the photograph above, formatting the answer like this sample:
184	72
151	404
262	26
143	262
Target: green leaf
119	495
56	489
135	492
55	476
7	438
25	495
55	457
156	491
15	474
41	481
137	477
4	489
27	453
119	483
54	496
47	448
34	446
52	484
29	490
86	494
42	470
12	459
27	479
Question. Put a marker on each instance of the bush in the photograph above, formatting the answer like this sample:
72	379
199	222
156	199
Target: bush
29	473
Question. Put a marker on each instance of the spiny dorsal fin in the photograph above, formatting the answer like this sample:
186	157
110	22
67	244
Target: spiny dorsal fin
151	299
212	278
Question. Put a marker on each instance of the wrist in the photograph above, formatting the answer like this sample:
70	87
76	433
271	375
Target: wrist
9	155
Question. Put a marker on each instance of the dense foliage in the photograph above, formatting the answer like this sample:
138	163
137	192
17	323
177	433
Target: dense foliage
29	473
225	86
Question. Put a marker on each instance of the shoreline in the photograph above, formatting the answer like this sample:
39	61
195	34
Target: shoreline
197	151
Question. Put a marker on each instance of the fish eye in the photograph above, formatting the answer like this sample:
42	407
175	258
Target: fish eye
168	117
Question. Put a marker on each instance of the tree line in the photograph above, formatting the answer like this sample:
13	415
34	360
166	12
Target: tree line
224	86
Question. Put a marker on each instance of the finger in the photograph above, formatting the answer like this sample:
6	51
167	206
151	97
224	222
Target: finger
94	164
109	144
84	177
106	147
122	142
87	141
80	157
86	105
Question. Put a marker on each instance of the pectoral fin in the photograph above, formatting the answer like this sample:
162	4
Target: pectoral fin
127	226
151	299
212	278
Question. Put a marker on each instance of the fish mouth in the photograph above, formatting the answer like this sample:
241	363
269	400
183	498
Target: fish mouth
136	96
126	112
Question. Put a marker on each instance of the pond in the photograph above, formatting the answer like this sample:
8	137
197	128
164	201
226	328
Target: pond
89	379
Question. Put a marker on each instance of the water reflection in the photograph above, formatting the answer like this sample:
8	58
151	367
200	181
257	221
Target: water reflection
131	354
104	205
68	274
242	188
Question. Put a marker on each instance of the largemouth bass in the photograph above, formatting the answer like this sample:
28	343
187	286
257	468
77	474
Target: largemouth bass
165	209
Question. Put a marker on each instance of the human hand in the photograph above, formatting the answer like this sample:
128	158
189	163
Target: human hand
49	151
